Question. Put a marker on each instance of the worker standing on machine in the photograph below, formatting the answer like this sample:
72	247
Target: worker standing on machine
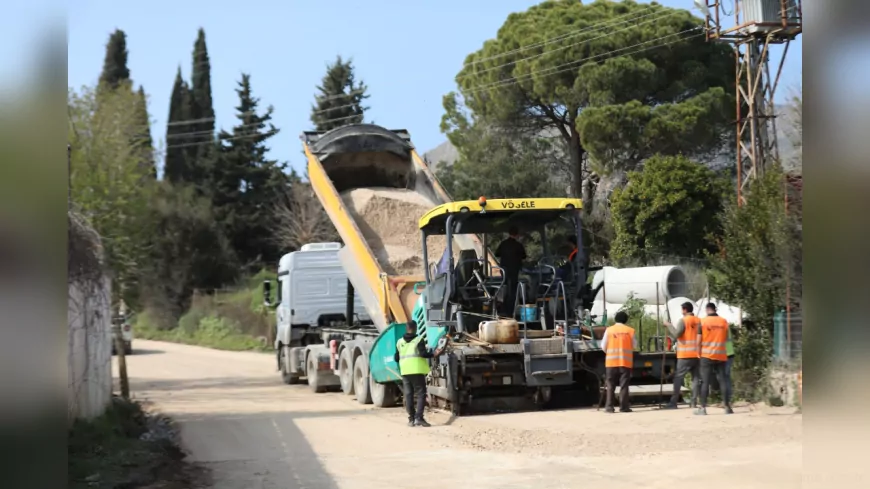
411	355
510	254
713	337
685	332
618	343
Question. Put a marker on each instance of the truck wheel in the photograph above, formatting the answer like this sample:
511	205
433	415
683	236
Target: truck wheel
345	371
286	375
383	395
361	380
311	373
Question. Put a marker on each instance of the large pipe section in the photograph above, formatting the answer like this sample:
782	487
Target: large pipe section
654	285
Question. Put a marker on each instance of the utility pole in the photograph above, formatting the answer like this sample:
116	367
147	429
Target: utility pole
757	25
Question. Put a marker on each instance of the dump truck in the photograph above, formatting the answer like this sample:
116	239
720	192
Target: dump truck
411	252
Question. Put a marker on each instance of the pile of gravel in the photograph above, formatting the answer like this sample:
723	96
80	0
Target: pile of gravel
388	219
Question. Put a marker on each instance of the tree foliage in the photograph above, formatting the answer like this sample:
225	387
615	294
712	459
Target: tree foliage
671	207
605	70
340	98
188	251
760	251
299	218
175	166
115	70
109	184
246	182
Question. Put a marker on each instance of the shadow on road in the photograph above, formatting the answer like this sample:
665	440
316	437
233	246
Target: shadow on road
145	351
266	450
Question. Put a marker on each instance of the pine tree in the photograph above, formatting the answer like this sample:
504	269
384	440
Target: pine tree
340	99
246	183
144	138
115	68
175	167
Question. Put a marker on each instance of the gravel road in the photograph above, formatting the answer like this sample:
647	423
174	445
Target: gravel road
252	431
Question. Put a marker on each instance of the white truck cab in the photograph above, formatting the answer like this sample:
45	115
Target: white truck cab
311	294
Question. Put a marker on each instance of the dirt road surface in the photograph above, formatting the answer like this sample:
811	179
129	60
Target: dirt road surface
252	431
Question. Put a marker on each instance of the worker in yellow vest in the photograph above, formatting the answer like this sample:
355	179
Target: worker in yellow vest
713	337
618	344
685	332
412	357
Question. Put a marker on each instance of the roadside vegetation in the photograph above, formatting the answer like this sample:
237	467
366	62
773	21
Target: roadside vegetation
227	320
125	447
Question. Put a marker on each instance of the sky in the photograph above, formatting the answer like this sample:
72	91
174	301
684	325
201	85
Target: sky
407	52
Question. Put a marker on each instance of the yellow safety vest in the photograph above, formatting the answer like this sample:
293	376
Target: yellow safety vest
410	361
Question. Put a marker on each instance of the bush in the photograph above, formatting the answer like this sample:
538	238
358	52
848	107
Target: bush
750	374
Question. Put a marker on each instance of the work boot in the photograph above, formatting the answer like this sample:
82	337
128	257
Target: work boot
626	410
422	422
609	410
728	410
701	411
670	406
411	422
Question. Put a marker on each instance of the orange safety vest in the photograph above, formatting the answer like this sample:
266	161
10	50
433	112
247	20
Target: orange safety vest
714	335
687	343
620	346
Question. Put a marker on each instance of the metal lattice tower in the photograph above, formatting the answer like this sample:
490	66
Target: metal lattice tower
757	24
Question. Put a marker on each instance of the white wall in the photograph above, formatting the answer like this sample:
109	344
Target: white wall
89	359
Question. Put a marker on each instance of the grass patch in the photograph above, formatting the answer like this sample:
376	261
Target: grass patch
110	451
233	319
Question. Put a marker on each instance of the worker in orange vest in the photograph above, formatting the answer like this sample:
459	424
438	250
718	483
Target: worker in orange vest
618	344
712	338
685	332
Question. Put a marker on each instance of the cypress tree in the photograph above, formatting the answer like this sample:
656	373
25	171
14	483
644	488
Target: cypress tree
246	182
115	64
144	136
175	168
340	97
199	152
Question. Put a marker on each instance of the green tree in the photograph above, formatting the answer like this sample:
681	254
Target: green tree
109	184
178	128
340	98
188	251
200	152
143	121
115	69
671	207
246	183
568	67
760	251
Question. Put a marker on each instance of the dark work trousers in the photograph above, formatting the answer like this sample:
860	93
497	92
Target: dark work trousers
717	368
622	377
510	297
687	366
414	389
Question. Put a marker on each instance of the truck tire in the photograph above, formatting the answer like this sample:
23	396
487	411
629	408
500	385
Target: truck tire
383	395
311	373
361	380
345	371
286	375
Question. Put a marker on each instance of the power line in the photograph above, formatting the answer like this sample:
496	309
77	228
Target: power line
572	64
584	41
334	108
552	40
219	140
323	98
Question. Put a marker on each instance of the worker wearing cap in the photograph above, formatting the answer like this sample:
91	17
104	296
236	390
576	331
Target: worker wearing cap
713	337
411	355
618	343
685	332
